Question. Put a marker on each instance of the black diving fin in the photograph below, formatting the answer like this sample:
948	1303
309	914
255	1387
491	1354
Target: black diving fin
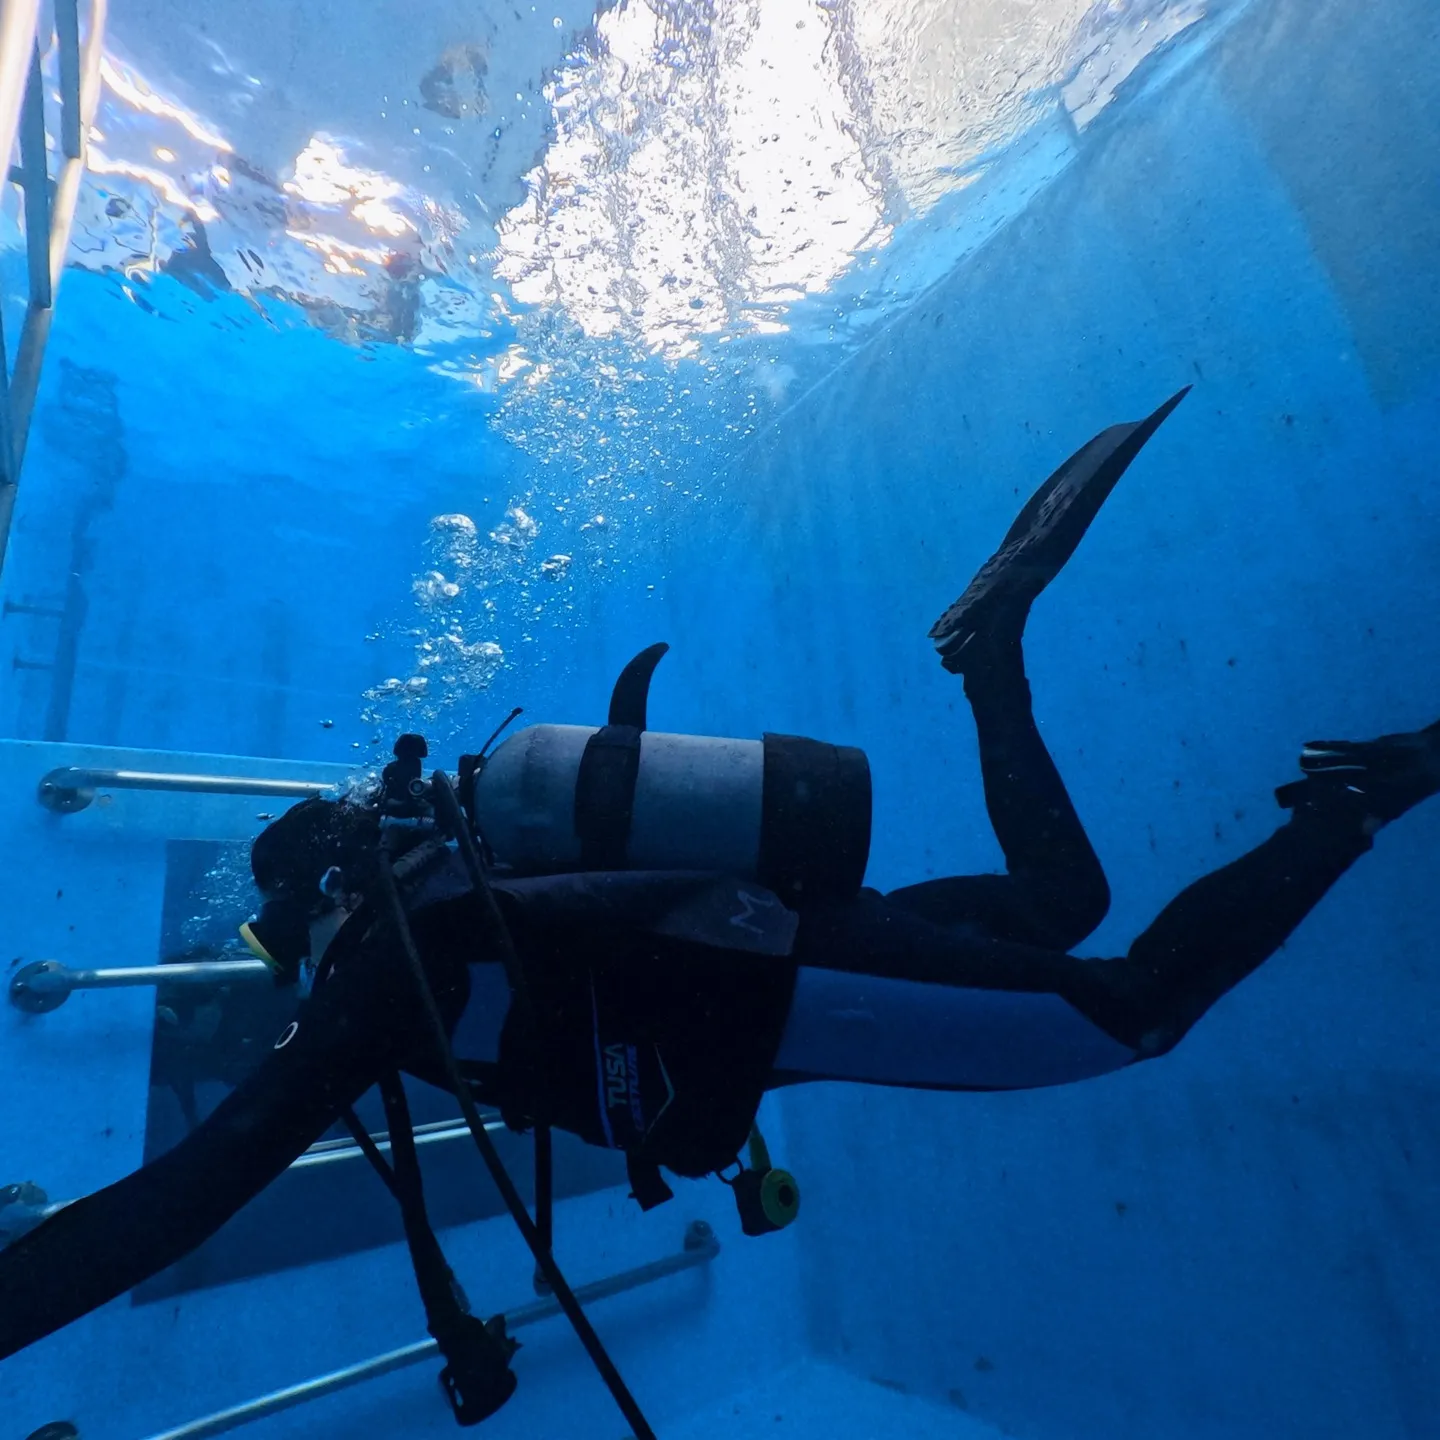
1042	539
630	697
1378	779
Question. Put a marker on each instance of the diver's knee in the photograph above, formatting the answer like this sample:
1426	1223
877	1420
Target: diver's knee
1074	916
1094	904
1130	1003
1158	1041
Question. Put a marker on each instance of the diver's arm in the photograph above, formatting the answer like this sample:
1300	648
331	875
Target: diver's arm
343	1038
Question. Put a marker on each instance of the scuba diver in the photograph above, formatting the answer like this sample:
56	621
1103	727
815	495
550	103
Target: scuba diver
634	936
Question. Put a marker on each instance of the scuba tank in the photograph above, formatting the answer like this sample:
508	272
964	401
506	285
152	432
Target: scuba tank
790	813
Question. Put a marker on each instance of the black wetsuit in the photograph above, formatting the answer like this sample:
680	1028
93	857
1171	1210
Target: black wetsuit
995	945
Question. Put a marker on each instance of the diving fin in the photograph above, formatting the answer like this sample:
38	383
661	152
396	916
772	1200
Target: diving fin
1041	540
629	699
1378	780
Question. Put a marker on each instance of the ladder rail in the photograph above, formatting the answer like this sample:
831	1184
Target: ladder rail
67	32
34	179
19	21
49	200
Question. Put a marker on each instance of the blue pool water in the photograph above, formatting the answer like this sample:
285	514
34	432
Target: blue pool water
263	528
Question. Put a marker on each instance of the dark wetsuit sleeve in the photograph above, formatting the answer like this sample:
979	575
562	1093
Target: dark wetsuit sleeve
363	1022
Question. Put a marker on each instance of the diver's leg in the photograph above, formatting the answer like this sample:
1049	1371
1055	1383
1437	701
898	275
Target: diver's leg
886	997
1225	925
1042	539
344	1037
1219	930
1055	892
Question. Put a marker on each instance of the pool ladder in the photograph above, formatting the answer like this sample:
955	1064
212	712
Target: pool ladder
49	200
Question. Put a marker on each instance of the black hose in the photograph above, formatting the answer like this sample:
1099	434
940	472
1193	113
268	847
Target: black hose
551	1271
369	1148
544	1187
452	819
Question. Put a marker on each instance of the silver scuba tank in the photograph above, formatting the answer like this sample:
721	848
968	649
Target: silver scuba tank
790	813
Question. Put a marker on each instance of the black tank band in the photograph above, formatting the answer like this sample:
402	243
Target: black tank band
605	796
815	819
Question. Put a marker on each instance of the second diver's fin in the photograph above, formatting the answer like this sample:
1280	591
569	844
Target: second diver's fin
629	699
1042	539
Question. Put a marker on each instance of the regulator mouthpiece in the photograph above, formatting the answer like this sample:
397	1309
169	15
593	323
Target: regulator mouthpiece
280	936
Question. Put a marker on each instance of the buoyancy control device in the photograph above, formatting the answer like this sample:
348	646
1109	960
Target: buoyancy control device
790	813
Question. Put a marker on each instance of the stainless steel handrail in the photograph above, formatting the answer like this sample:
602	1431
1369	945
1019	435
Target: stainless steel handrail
49	212
22	1208
45	985
73	787
328	1152
700	1248
431	1129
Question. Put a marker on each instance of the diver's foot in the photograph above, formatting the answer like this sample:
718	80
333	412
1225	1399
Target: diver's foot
1376	781
995	605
